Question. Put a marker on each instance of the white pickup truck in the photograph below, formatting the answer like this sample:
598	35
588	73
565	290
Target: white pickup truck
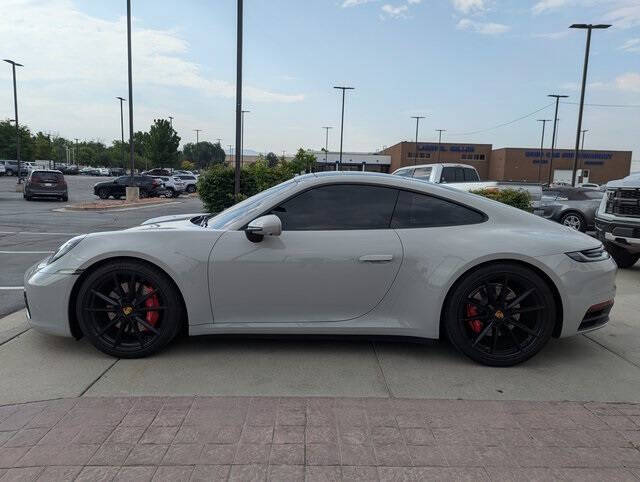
466	178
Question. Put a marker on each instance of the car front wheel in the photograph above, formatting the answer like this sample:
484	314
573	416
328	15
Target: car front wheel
573	220
128	309
500	315
103	193
191	189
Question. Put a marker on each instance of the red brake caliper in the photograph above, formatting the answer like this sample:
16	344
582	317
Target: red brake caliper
151	302
476	325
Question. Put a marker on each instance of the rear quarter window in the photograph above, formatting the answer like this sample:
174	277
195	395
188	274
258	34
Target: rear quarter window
416	210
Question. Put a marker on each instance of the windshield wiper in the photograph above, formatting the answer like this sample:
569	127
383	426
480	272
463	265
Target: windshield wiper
205	220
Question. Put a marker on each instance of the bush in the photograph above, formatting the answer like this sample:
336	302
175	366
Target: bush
518	198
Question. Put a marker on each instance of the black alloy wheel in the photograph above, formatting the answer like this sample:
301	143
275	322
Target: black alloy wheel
191	188
501	314
128	309
103	193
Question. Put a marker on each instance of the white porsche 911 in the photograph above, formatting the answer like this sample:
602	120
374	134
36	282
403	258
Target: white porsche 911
332	253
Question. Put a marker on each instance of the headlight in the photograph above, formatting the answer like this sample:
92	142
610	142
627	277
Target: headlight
589	255
65	248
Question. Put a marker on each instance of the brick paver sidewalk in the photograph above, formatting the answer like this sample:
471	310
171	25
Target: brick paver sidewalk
225	438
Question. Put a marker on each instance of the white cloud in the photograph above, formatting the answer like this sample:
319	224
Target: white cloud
399	11
631	45
414	2
90	53
625	15
629	82
485	28
466	6
353	3
546	5
552	35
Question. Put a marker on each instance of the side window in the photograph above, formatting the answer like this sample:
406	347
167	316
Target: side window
470	175
459	174
415	210
423	173
448	174
405	173
342	206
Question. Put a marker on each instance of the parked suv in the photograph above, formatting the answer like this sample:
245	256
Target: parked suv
190	180
46	183
3	170
117	188
173	185
11	168
618	220
158	172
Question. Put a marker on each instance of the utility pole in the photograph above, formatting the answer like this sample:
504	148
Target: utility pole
197	131
75	152
544	123
584	131
553	136
326	142
242	137
15	106
343	89
236	185
588	28
417	118
130	70
171	122
440	131
124	162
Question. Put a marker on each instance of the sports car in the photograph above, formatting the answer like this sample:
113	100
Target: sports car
336	253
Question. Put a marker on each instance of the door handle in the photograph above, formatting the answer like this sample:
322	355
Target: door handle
376	258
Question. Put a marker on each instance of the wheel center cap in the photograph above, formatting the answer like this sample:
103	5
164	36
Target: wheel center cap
499	315
127	310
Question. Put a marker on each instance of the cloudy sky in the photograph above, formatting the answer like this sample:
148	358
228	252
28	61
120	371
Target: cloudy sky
467	65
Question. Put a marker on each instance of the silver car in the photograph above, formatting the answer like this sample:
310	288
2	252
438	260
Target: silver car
573	207
332	253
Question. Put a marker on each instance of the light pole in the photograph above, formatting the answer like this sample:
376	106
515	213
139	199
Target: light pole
236	185
326	142
171	122
197	131
544	123
584	131
124	162
75	153
15	106
440	131
553	137
417	118
242	136
588	27
343	89
130	74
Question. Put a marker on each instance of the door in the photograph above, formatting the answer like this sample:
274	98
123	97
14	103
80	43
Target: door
335	260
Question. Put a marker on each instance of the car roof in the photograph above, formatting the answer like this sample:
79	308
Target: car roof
47	170
443	164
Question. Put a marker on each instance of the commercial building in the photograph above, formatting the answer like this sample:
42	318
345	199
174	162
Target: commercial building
515	163
352	161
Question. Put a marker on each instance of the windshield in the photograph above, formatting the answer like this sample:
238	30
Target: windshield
254	203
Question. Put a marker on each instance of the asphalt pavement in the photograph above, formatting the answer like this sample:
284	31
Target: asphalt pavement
31	230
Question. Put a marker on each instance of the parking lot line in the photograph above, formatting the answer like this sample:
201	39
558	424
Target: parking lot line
49	234
26	252
11	288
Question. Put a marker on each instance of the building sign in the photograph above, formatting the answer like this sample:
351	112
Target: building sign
445	148
590	157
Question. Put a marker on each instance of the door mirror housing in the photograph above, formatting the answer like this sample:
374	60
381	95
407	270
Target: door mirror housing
269	225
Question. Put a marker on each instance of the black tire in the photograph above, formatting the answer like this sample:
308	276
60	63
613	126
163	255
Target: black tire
496	327
623	258
64	198
117	196
574	220
191	189
103	193
9	172
112	308
28	197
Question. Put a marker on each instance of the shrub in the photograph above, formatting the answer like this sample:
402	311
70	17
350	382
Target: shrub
518	198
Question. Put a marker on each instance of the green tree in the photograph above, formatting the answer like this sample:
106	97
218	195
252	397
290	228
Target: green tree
43	146
8	142
204	154
272	159
303	161
161	144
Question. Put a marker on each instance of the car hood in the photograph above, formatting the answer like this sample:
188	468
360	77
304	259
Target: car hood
173	217
632	181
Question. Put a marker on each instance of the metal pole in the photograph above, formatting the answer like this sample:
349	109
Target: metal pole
242	137
197	131
588	28
171	122
544	123
124	162
131	147
417	118
344	89
15	106
236	187
326	142
584	131
553	136
440	131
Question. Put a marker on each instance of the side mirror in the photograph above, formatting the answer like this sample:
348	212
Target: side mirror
269	225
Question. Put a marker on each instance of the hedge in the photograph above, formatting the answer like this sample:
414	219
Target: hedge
518	198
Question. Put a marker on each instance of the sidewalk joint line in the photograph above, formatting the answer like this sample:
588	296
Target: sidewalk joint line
384	378
98	378
611	351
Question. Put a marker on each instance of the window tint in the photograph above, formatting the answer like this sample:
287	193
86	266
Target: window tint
344	206
448	174
423	173
415	210
405	173
470	175
46	177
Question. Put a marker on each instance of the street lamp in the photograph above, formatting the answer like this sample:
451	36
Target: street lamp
553	137
588	28
171	122
544	123
417	118
343	89
326	142
242	136
236	183
15	106
584	131
197	131
440	131
130	76
124	162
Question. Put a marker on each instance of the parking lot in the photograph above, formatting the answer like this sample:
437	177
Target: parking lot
604	365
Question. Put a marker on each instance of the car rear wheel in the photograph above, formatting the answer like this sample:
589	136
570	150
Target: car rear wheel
128	309
65	198
103	193
500	315
573	220
191	188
